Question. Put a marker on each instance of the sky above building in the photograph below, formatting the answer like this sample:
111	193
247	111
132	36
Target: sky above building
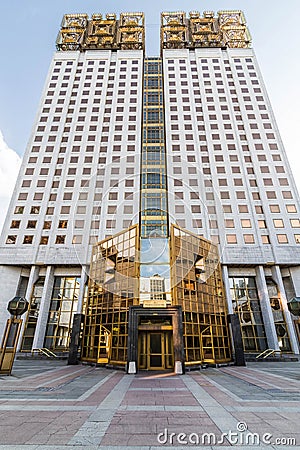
28	33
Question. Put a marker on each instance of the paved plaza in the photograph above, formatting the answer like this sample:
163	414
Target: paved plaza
49	405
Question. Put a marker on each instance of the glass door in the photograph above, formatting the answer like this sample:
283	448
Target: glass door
156	351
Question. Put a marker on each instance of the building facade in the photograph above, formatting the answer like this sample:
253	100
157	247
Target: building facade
182	146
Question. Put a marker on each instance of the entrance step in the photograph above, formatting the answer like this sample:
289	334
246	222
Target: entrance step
251	357
40	356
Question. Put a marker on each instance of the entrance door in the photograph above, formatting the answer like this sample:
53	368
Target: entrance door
155	350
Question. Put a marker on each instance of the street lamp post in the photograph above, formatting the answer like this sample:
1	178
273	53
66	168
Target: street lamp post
16	307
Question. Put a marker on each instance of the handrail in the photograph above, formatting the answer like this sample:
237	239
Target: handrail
267	352
50	352
45	351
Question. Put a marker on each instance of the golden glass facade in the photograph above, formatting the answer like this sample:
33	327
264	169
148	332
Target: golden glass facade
198	288
113	288
196	291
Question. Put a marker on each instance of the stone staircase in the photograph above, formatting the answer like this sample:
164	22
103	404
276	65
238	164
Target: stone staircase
275	357
42	353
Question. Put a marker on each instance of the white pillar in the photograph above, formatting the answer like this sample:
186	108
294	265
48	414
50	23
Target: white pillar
83	279
227	289
276	273
266	309
295	274
33	277
40	330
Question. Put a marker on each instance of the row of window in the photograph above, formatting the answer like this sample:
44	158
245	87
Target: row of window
243	209
77	239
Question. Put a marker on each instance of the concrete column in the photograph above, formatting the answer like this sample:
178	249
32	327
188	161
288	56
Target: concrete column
233	320
227	289
276	274
44	309
33	277
83	279
295	274
266	309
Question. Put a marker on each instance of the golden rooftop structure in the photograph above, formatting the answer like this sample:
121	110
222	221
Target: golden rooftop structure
227	29
79	33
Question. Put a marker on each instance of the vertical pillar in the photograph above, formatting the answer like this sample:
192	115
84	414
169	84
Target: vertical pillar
132	351
235	327
287	315
266	309
83	280
33	277
40	330
227	289
78	320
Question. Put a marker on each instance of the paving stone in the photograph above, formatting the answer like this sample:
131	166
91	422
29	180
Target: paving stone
56	407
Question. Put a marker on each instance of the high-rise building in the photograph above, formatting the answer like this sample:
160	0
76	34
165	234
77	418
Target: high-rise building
138	173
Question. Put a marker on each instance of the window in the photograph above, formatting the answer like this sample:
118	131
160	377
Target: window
226	208
287	194
243	208
262	224
128	209
291	208
79	224
213	224
11	239
77	239
15	224
113	196
19	210
295	223
278	223
60	239
248	238
67	196
31	224
63	224
28	239
231	238
229	223
265	239
81	209
44	240
246	223
297	238
282	239
197	223
110	224
196	209
111	209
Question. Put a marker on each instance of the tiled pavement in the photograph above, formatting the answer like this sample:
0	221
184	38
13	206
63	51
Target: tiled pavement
51	406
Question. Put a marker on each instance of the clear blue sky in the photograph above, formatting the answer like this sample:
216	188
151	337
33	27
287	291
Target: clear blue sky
29	29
